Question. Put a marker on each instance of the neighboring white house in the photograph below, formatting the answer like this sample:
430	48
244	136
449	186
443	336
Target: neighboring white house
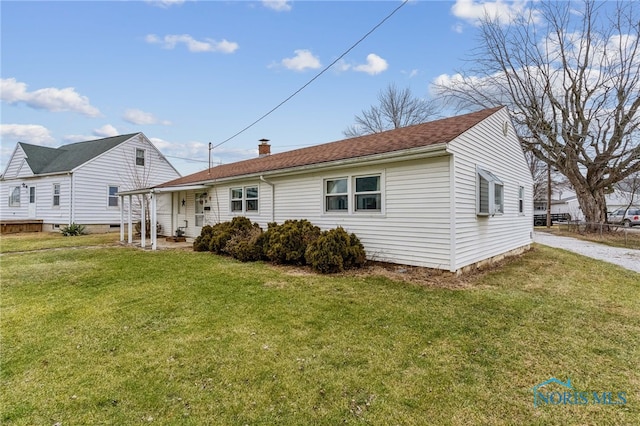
79	182
445	194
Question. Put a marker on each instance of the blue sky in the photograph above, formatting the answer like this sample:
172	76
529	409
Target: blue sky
186	73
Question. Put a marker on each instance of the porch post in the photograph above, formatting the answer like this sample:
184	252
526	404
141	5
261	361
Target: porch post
154	219
143	222
121	219
130	236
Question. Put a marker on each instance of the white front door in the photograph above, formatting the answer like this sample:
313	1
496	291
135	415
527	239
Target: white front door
199	211
32	202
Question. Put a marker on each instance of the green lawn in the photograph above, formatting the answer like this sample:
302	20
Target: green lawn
116	335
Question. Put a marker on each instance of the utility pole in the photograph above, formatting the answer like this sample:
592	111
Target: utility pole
548	195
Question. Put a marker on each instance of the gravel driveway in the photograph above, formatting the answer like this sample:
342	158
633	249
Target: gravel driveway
627	258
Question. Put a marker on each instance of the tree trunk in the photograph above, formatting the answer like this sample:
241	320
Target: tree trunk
593	206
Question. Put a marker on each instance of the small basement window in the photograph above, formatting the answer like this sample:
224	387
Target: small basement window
490	195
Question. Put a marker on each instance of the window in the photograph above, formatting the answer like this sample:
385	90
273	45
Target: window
139	157
521	200
56	195
364	191
244	199
236	199
14	197
336	195
113	198
490	194
251	199
367	193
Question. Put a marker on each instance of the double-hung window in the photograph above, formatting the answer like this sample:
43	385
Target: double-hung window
353	194
244	200
336	195
56	195
490	197
14	197
139	157
367	195
113	197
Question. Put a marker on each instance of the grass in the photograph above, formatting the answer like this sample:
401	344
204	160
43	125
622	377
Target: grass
118	336
616	237
11	243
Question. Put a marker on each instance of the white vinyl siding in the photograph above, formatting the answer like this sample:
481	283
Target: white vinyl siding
412	229
477	237
117	168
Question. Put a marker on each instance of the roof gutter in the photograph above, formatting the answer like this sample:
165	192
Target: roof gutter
162	190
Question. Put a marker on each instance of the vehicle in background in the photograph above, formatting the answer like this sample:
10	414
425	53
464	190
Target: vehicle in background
625	217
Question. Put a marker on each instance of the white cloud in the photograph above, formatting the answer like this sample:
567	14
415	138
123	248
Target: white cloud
302	61
208	45
29	133
165	3
50	99
474	10
106	131
277	5
412	73
375	65
139	117
458	28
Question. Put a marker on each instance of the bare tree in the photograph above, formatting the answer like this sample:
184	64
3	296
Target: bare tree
570	74
397	108
629	190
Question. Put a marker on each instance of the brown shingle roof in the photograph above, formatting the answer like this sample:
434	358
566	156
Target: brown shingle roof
419	135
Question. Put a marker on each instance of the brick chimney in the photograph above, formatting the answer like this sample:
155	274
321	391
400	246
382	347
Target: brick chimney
264	148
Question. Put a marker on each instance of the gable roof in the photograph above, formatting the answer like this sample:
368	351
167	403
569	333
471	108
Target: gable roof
416	136
43	160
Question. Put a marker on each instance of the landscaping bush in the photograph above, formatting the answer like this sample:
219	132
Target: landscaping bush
334	251
215	238
287	243
246	245
223	232
202	241
73	230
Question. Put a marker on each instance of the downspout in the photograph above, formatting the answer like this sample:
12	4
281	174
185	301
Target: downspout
273	197
453	235
71	196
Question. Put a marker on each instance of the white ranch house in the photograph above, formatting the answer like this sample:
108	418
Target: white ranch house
447	194
79	182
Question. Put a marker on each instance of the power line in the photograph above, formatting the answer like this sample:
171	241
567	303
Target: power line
316	76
